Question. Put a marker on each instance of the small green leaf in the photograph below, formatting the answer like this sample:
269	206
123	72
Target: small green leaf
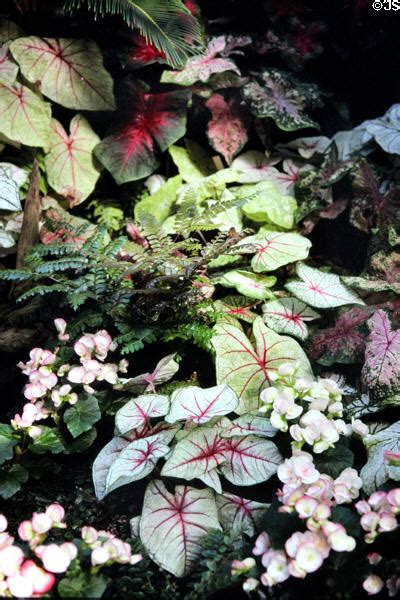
334	460
48	441
80	417
11	481
7	443
83	586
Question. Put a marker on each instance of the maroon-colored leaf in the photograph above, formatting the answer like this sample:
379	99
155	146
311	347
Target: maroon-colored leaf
141	53
227	129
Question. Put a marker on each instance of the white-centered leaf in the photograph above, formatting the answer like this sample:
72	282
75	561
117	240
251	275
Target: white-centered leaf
250	460
238	513
8	68
199	405
249	424
164	371
249	284
172	525
9	195
320	289
68	71
140	410
376	471
288	316
103	462
24	116
274	249
70	165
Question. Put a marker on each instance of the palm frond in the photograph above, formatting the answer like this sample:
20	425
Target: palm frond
166	24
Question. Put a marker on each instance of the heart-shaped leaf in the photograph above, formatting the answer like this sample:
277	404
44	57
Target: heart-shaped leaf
103	462
376	471
245	368
172	525
8	68
386	130
140	410
129	152
274	249
236	306
9	196
82	416
227	129
289	316
249	425
247	283
320	289
266	204
199	405
238	513
69	71
25	118
250	460
164	371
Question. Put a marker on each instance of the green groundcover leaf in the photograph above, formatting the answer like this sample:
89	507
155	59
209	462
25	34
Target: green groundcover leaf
11	480
160	203
7	443
80	417
48	441
83	585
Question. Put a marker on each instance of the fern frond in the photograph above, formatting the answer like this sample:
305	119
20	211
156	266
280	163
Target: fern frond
166	24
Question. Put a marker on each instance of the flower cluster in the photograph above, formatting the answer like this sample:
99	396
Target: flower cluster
314	406
378	513
108	549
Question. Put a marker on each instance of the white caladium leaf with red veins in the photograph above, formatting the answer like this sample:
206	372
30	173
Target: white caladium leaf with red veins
274	249
381	368
198	453
250	460
70	166
200	68
140	410
129	153
103	462
69	72
227	129
320	289
245	368
199	405
247	283
239	513
8	68
377	471
249	425
289	316
172	526
164	371
238	307
24	116
135	461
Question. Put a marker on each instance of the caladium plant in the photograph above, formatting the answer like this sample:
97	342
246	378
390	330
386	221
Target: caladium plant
377	471
273	249
289	316
227	128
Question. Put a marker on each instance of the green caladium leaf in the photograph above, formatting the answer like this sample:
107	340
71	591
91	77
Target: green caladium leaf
320	289
193	162
172	525
247	283
8	68
70	165
101	466
81	416
160	203
289	316
274	249
237	307
250	460
70	72
12	480
140	410
7	442
249	425
135	461
278	96
266	204
25	117
245	368
235	512
199	405
9	195
376	471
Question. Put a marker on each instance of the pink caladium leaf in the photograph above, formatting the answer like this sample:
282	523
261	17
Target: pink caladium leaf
172	526
289	316
147	382
129	153
250	460
237	307
68	71
140	410
320	289
235	512
103	462
141	53
192	403
381	368
246	368
63	227
343	343
8	68
249	425
227	129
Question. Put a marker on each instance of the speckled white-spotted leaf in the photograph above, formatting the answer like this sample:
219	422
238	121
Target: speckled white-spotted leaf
172	525
249	425
250	460
199	405
289	316
24	116
239	513
140	410
103	462
320	289
376	471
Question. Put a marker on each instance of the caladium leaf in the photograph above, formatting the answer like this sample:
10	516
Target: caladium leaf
65	227
250	460
164	371
9	195
266	204
199	405
288	316
361	405
274	249
70	166
247	283
8	68
159	204
200	68
173	525
103	462
193	162
9	31
129	153
254	166
281	98
376	471
386	130
245	368
141	53
135	461
227	129
343	343
25	118
70	72
320	289
237	306
198	453
139	411
249	425
381	369
235	512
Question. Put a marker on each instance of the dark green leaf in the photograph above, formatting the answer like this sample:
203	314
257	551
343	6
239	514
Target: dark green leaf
82	416
83	586
48	441
11	481
7	443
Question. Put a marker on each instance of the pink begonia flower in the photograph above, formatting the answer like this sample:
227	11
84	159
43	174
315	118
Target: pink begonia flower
25	531
89	534
56	513
41	523
393	497
308	558
393	585
373	585
61	327
100	556
64	394
322	489
56	559
3	523
34	431
41	581
387	522
11	559
306	507
359	427
250	584
33	391
377	500
123	365
374	558
20	586
240	567
262	544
